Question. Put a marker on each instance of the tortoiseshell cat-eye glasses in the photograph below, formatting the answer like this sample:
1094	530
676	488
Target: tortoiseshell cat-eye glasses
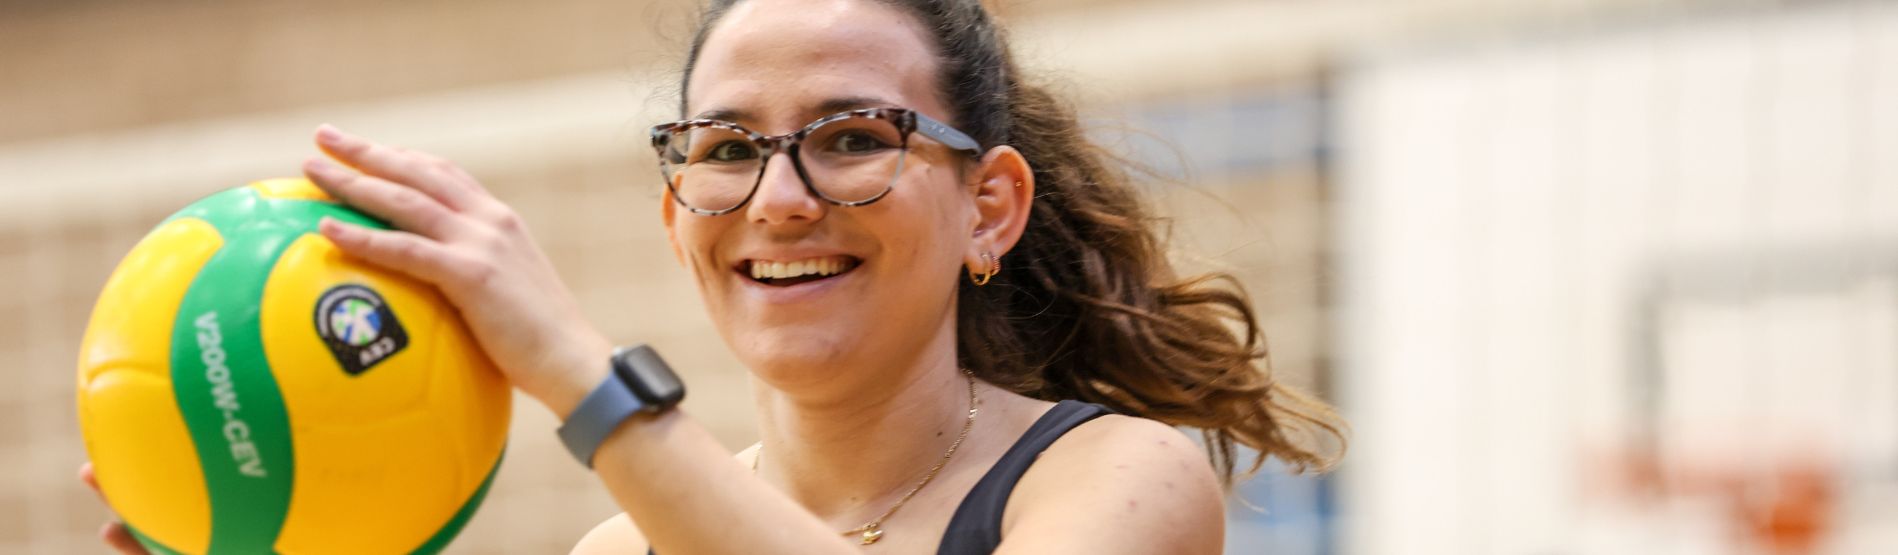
852	158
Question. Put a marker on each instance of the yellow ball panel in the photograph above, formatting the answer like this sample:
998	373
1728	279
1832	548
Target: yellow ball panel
289	188
478	400
322	392
380	456
146	465
142	296
140	449
377	489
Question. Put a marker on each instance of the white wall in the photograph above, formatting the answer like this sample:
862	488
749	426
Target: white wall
1522	217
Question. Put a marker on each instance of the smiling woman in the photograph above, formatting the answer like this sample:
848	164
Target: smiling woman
965	334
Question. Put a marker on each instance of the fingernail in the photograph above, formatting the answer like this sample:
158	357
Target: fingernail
328	133
331	228
317	165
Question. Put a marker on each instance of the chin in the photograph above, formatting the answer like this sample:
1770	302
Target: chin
792	356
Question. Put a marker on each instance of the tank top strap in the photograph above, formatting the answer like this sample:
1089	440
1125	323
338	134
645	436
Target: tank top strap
976	528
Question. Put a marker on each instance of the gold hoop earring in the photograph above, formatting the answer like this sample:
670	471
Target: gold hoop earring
991	264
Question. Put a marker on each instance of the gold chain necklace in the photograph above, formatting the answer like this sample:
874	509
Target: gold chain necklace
872	531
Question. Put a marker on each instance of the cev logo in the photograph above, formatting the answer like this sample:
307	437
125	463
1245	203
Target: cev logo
358	326
355	321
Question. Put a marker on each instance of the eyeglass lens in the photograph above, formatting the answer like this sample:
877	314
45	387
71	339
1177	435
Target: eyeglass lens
848	160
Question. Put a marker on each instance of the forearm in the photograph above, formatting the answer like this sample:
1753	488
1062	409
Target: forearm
687	496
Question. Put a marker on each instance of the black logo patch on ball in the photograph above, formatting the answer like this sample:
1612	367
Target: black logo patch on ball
359	327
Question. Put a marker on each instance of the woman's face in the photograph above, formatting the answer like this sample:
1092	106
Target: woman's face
773	67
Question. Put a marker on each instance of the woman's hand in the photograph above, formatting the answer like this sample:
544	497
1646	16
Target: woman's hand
114	533
450	232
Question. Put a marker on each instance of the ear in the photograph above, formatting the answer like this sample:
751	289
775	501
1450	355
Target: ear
1004	192
668	211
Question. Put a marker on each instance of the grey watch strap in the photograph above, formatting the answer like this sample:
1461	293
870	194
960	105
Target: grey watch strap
610	403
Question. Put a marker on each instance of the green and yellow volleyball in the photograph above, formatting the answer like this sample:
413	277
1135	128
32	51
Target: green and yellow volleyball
245	387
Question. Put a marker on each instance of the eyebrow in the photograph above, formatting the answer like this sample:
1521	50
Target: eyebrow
825	108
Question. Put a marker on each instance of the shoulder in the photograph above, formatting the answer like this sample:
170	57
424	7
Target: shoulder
615	536
1132	451
1147	486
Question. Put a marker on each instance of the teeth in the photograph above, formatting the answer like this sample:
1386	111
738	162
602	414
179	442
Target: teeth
826	266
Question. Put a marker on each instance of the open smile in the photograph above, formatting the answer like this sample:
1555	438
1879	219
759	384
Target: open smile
786	273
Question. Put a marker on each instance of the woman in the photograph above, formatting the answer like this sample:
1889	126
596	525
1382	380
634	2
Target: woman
925	261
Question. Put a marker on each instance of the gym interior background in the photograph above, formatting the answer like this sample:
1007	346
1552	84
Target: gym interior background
1587	276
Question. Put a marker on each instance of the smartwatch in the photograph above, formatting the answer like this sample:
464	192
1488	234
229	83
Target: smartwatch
639	383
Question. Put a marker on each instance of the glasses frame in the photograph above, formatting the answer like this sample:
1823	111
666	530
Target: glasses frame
907	121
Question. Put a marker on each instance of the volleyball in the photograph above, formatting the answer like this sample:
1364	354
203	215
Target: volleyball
245	387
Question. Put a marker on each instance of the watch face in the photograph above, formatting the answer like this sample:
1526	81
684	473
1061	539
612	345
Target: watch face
649	377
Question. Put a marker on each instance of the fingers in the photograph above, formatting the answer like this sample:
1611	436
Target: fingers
444	221
120	539
115	534
404	252
86	475
432	176
407	208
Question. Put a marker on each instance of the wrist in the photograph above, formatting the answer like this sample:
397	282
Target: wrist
640	384
573	375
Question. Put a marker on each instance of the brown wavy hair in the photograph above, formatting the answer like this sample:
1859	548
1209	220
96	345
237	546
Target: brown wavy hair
1088	306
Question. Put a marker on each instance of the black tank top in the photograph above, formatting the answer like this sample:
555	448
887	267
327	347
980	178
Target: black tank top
976	528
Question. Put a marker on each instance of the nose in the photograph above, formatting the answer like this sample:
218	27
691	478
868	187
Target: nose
781	196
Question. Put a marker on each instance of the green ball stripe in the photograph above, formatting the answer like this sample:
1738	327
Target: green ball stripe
220	374
234	208
151	544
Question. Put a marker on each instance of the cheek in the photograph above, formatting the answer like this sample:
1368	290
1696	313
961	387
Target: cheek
694	238
935	223
955	214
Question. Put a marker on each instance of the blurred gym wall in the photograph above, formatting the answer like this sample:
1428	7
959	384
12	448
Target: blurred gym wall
1624	285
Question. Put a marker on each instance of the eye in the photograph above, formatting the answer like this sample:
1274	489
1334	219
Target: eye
731	151
857	142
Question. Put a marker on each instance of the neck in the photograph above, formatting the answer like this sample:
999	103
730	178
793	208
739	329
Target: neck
853	457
